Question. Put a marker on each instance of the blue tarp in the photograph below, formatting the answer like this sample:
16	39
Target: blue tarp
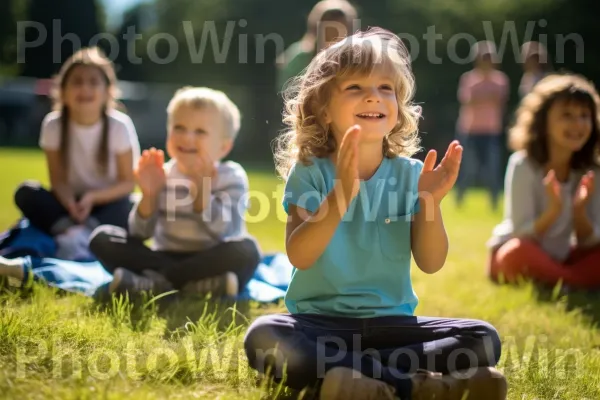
269	283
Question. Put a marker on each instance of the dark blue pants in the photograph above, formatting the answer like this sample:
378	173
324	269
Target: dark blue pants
45	212
482	156
305	347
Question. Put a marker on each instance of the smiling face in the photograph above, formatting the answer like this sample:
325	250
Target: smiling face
85	91
366	100
193	130
569	125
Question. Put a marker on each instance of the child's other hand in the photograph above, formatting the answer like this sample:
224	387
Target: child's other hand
72	209
584	191
150	174
201	167
84	207
438	181
553	191
347	165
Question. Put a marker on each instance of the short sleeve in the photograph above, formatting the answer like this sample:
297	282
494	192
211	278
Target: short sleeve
50	132
124	135
416	168
519	181
301	189
464	88
594	213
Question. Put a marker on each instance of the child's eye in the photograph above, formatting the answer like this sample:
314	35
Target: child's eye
178	128
353	87
387	87
199	131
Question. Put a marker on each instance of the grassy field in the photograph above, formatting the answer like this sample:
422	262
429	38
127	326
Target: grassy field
66	347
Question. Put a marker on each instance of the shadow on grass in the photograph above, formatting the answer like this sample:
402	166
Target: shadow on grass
178	311
584	301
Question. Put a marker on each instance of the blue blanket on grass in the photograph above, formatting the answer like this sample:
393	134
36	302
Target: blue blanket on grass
269	283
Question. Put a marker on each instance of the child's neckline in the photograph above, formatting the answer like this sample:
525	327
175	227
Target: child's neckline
378	172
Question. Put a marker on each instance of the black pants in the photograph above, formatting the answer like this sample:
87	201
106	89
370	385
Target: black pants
44	211
306	346
115	248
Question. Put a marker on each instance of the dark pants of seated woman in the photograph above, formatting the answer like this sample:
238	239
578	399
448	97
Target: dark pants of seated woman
115	248
522	258
306	346
45	212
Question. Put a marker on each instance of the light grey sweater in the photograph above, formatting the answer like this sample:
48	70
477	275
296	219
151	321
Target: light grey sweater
176	227
525	200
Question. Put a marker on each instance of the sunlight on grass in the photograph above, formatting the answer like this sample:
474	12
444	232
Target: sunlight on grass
54	345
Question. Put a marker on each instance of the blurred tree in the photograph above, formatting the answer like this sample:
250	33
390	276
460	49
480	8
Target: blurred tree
57	29
11	12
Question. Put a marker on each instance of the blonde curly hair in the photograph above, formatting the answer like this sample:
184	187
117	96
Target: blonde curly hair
529	132
307	97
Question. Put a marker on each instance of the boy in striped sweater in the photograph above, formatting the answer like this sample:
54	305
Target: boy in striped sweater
192	207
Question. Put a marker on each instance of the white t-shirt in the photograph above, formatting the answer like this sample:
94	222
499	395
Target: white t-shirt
83	171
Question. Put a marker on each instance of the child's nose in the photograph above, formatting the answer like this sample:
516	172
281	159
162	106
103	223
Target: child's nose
372	95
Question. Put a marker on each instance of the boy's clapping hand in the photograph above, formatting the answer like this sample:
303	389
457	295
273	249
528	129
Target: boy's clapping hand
150	174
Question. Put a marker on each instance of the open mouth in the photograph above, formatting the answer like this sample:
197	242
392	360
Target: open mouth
574	136
185	150
371	115
85	99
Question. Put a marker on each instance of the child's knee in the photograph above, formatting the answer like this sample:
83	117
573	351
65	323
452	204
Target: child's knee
265	347
25	193
488	350
102	238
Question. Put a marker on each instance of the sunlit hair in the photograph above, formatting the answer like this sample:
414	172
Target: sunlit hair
306	98
87	57
201	98
530	131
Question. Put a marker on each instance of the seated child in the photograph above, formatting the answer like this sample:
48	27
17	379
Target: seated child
192	207
551	230
91	149
358	208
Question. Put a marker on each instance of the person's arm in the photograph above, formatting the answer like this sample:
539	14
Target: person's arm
221	211
586	221
58	179
308	234
126	148
125	181
429	238
519	182
57	171
143	217
464	94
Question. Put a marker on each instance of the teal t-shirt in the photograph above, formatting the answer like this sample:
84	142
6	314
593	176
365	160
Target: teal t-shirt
365	270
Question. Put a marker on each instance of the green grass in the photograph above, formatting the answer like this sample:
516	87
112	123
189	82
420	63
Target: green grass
54	345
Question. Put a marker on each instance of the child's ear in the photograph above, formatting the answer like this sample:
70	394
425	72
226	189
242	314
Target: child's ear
226	147
326	117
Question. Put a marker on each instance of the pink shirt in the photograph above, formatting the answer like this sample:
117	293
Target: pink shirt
482	99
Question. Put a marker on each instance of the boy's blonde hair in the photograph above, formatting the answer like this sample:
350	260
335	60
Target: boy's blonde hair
308	95
201	97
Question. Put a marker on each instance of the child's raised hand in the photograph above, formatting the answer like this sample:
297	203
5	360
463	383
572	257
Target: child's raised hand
584	191
200	167
553	190
438	181
347	164
150	174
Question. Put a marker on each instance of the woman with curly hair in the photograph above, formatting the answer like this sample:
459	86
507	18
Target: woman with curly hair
551	230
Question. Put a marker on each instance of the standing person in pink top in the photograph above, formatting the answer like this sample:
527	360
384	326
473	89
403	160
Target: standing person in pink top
483	94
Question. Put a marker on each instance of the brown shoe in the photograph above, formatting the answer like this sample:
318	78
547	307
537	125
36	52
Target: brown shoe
479	384
342	383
